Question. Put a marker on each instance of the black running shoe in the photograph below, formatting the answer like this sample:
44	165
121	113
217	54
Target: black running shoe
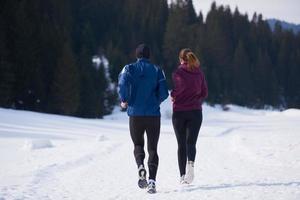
142	183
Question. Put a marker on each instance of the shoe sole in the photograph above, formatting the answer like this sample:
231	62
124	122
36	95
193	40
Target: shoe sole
151	191
142	182
189	180
184	183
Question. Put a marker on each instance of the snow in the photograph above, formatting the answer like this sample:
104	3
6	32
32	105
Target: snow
102	138
241	154
98	60
37	144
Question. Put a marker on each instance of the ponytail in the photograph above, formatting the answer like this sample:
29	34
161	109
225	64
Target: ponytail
190	58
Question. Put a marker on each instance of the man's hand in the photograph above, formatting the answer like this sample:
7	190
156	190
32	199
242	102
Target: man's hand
124	105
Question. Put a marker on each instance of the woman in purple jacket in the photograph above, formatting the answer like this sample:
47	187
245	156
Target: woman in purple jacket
190	89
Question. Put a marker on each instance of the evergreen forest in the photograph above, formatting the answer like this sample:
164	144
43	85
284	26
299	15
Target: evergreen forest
47	50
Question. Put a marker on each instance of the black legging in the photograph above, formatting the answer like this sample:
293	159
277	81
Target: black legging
138	126
186	126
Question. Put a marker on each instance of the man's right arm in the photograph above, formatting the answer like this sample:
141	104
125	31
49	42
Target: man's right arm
123	84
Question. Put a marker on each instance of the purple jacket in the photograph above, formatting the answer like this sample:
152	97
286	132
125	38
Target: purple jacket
190	89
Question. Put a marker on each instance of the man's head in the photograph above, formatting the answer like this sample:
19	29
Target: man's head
142	51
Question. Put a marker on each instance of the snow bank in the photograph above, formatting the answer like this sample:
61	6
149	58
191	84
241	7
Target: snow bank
166	111
101	138
292	112
37	144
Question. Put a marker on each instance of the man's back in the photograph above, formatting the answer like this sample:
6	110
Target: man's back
143	87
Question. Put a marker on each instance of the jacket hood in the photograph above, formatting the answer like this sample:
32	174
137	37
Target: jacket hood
185	68
141	64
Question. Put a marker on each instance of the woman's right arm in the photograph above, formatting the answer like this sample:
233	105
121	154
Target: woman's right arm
177	85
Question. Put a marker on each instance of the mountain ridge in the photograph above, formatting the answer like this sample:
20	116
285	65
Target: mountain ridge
285	25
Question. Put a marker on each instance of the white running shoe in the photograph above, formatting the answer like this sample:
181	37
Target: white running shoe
182	180
189	177
151	186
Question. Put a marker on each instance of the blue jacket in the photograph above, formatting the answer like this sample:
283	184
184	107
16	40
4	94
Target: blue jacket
143	86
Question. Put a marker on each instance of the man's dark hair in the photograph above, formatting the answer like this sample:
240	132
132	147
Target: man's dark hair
142	51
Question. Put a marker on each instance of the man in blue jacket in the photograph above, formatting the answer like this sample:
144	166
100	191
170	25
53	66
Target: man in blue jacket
142	88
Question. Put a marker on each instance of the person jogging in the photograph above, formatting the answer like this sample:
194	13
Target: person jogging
190	89
142	88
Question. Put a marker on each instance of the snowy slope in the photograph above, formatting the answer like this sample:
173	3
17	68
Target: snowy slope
241	154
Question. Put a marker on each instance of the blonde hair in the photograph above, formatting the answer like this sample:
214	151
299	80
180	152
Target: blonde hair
190	58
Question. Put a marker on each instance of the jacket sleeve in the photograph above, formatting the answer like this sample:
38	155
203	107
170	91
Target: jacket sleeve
177	85
162	86
123	84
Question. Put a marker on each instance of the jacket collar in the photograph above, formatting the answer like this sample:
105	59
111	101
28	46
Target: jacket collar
143	60
184	67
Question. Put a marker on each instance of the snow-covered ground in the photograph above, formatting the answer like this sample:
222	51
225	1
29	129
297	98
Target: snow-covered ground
241	154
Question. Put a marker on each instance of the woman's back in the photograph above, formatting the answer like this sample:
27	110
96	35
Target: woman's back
189	88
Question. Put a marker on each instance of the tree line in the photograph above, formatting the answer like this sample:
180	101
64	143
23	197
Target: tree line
46	51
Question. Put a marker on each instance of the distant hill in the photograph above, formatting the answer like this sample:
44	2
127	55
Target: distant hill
285	25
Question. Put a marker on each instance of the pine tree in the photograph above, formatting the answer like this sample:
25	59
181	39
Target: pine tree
242	77
220	49
192	16
25	48
65	86
101	85
266	85
241	28
7	77
293	82
87	91
117	60
180	23
283	61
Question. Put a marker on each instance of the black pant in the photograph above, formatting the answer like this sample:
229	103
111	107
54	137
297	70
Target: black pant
138	126
186	126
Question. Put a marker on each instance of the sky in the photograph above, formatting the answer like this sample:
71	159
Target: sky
287	10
